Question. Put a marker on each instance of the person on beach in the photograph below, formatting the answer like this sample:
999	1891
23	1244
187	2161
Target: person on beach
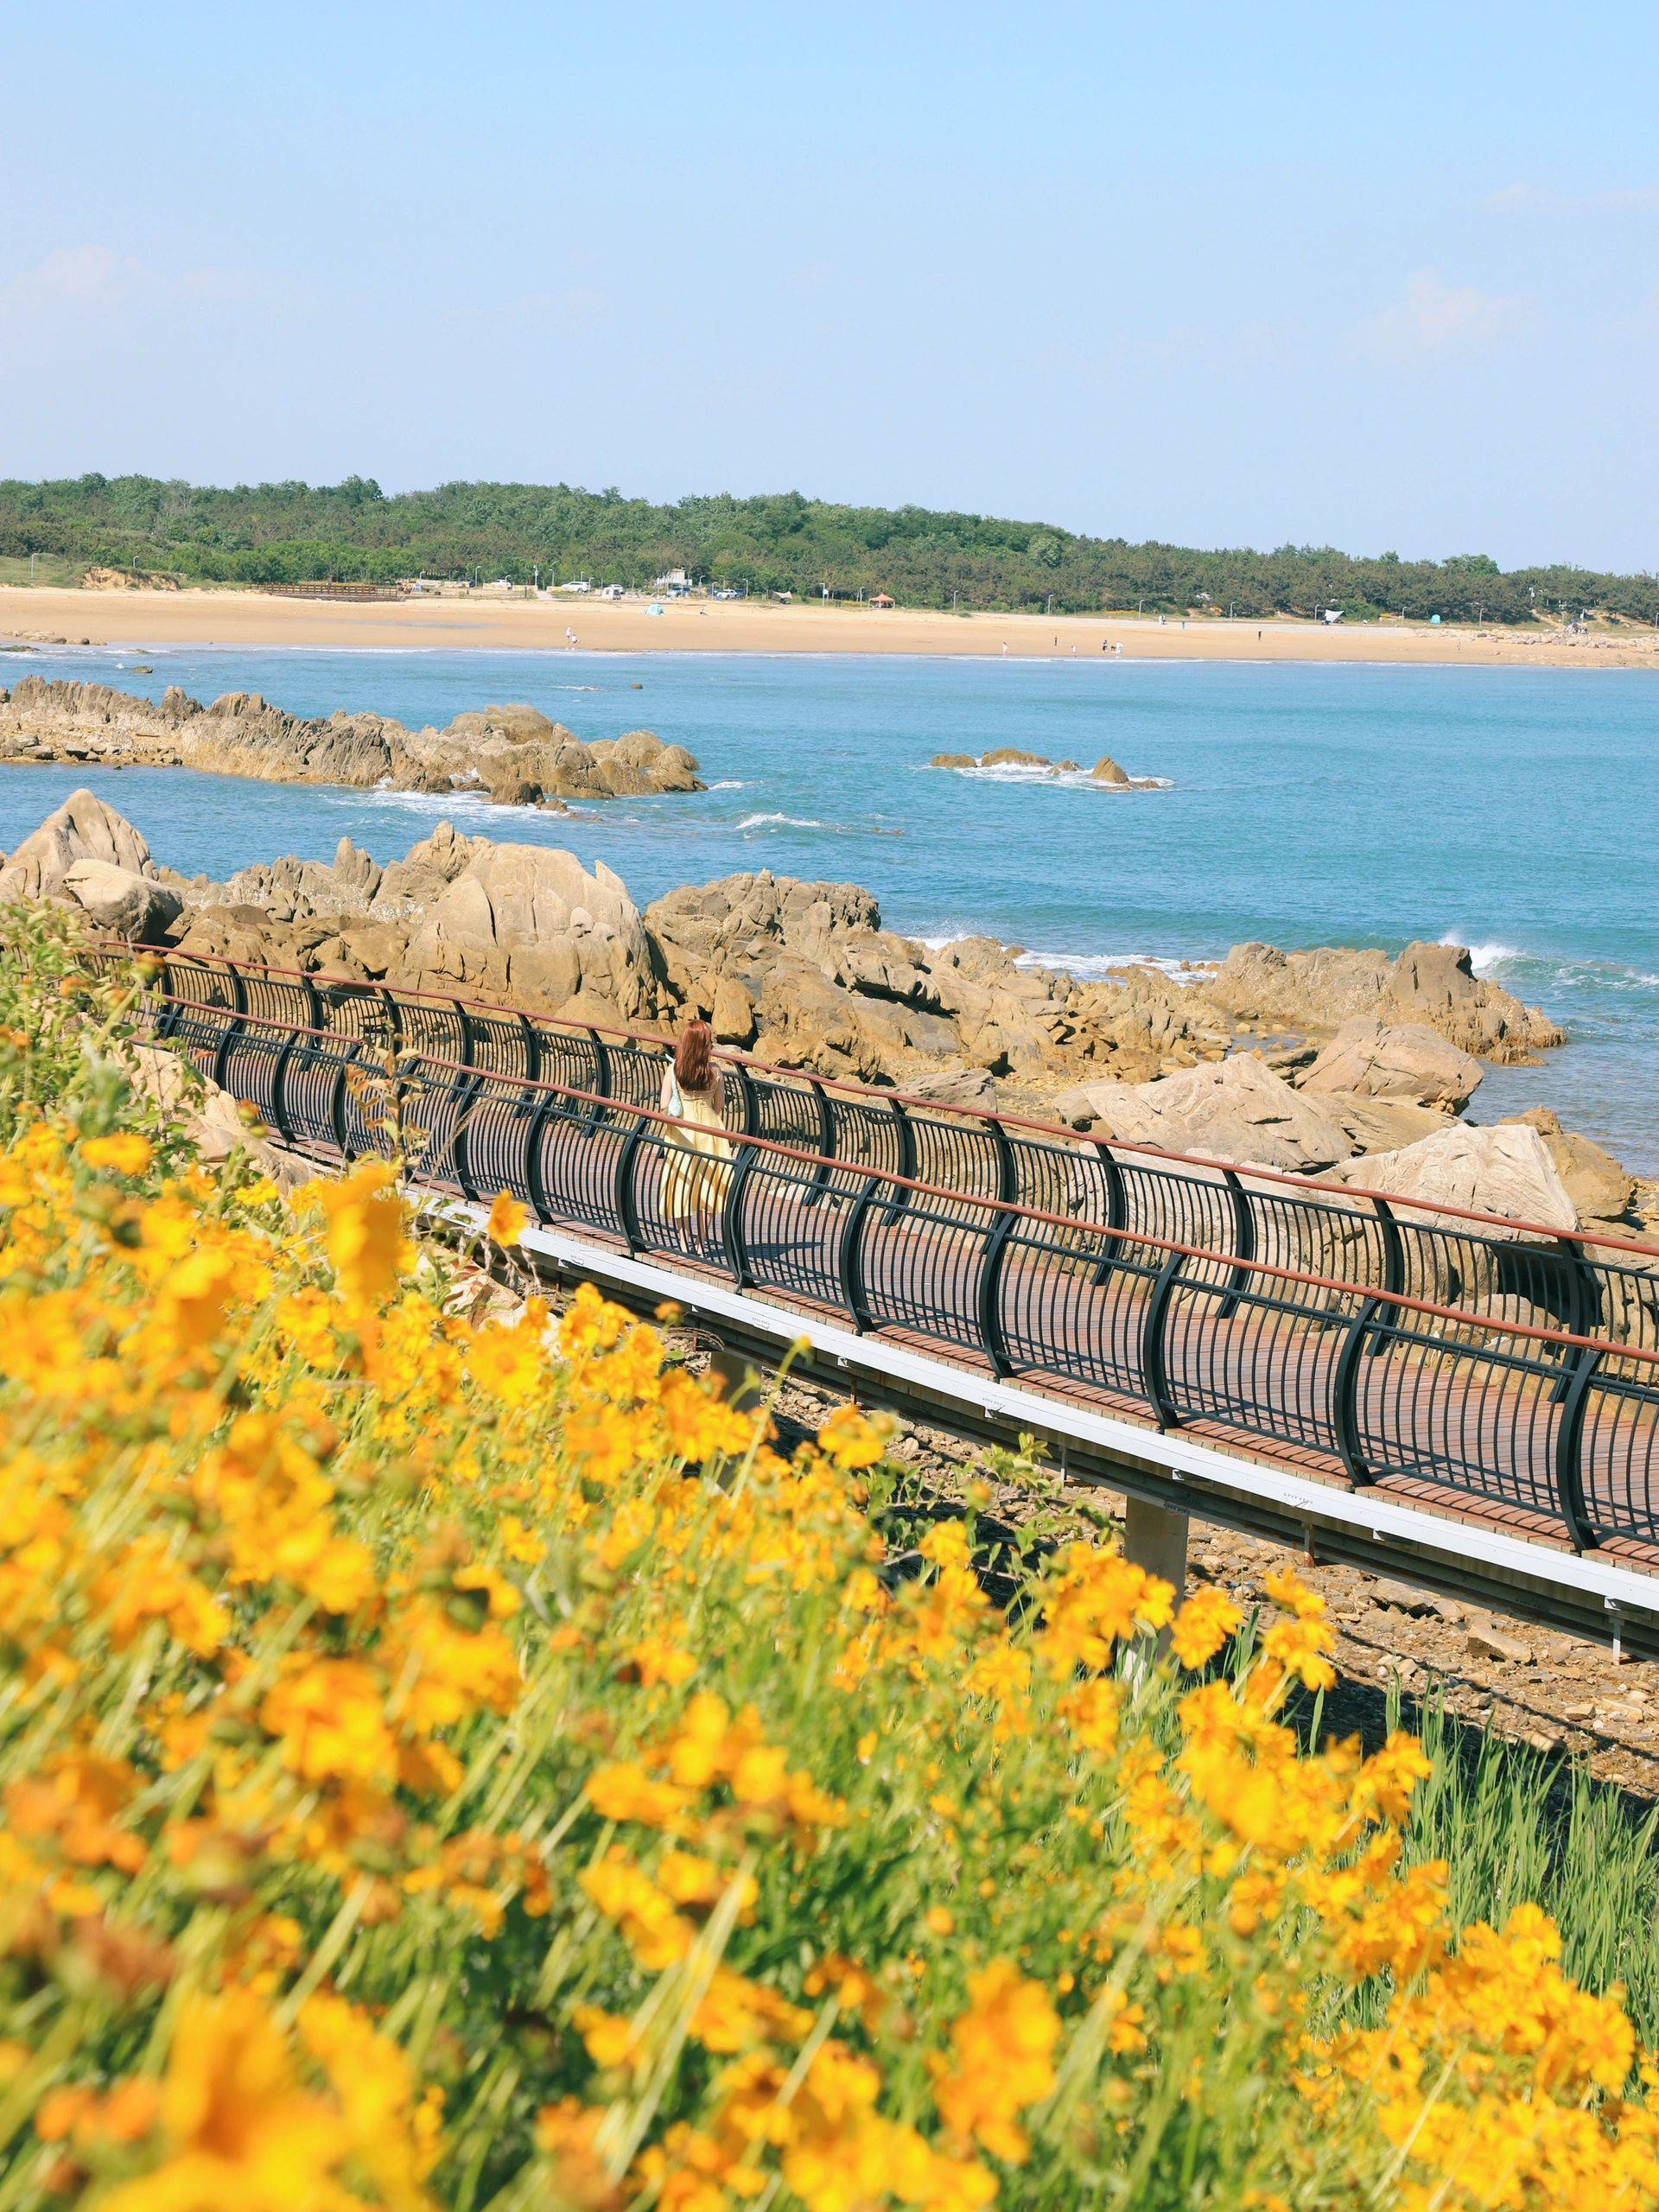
697	1155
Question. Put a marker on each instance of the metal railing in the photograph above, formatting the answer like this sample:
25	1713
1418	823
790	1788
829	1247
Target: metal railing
1517	1365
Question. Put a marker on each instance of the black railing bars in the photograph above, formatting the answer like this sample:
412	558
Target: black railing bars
1517	1366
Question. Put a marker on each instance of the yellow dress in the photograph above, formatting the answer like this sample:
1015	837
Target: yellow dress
697	1159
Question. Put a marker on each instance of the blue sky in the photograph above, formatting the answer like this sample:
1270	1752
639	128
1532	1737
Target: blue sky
1381	278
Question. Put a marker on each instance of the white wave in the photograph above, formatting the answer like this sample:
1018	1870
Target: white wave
728	783
777	821
1077	779
1488	957
1092	966
1089	967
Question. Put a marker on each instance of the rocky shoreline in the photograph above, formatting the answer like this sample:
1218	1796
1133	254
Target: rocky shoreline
512	754
1346	1064
1106	772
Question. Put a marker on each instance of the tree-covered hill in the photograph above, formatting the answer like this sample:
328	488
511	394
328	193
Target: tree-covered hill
288	533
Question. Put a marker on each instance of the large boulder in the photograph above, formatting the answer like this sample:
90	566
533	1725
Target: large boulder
121	903
1504	1170
83	829
1402	1060
1236	1110
1600	1186
531	922
1434	984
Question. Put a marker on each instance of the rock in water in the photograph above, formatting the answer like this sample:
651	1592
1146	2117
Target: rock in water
1431	983
82	829
1106	771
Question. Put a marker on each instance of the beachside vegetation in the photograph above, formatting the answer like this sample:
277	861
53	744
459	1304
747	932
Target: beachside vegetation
353	531
467	1764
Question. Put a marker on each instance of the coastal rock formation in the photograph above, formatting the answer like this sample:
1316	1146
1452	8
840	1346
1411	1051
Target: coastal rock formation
1239	1110
1599	1188
512	754
86	856
1399	1060
805	974
1504	1170
1433	984
1105	772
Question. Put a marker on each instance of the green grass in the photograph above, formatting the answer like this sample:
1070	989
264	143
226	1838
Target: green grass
49	569
1515	1824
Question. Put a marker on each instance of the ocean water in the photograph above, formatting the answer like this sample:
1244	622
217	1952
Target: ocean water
1512	810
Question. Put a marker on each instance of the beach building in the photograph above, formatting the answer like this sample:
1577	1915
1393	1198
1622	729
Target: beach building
883	599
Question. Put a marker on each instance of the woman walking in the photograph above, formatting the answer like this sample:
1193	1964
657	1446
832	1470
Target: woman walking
697	1155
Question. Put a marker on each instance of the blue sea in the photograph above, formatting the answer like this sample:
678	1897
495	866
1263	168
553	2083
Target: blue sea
1512	810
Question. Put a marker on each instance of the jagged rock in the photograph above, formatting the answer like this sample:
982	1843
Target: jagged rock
122	902
1431	983
1397	1060
1105	770
524	919
514	752
732	1012
954	1086
1598	1186
1381	1124
82	829
1236	1110
1504	1170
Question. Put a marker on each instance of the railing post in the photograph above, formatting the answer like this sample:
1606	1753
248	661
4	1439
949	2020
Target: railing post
1585	1300
1155	1361
532	1048
535	1183
625	1193
1569	1450
1244	1244
905	1131
1394	1264
1117	1214
989	1301
467	1089
279	1087
731	1223
827	1133
850	1256
601	1085
1344	1389
337	1105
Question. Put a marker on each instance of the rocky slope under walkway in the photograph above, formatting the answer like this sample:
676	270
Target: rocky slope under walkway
1344	1064
514	755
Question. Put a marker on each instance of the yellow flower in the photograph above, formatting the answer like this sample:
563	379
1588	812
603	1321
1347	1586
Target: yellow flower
236	2128
1202	1626
849	1441
507	1222
125	1152
365	1231
1001	2060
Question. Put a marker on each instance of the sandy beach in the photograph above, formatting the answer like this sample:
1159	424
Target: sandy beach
246	617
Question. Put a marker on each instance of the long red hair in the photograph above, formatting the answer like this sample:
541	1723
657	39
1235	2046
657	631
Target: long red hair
694	1057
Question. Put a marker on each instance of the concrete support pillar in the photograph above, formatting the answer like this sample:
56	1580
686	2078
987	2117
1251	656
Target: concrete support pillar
745	1389
1155	1538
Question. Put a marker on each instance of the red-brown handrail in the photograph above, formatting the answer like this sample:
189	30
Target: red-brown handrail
1056	1131
1492	1325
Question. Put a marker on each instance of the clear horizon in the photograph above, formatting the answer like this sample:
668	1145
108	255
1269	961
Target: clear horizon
1388	287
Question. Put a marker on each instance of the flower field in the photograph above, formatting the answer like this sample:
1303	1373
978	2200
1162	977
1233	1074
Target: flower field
466	1764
